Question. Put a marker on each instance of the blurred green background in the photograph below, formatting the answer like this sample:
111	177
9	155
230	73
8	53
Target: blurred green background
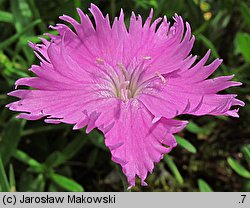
213	152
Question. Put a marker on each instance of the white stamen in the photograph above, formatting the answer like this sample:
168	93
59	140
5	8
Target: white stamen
124	95
123	69
161	77
125	92
121	66
100	61
147	57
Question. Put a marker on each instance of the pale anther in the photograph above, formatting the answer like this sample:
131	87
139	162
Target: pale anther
161	77
100	61
147	57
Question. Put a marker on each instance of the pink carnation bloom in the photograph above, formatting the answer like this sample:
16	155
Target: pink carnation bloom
129	84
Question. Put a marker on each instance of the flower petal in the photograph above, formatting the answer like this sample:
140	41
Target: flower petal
189	92
136	143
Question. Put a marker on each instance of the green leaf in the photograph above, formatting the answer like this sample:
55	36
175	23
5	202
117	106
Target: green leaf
4	184
57	158
6	17
66	183
10	70
54	159
238	168
36	14
38	184
194	128
246	151
246	186
22	17
25	180
15	37
202	28
98	140
185	144
243	44
53	188
245	12
203	186
12	179
25	158
169	161
10	138
209	44
21	12
75	146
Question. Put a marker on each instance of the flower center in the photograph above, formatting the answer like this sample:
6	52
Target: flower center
126	83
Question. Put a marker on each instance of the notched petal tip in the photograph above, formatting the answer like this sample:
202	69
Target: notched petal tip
156	119
115	146
79	11
143	183
238	102
17	93
31	44
95	10
81	123
233	113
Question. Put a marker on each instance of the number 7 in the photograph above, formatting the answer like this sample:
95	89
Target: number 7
244	196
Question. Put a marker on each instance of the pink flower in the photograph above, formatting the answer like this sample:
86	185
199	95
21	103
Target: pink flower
129	84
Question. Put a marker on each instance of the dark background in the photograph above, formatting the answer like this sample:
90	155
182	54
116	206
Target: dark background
214	152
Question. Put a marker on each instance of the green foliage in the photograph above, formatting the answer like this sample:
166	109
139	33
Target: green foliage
25	158
243	42
210	45
194	128
10	138
66	183
40	157
57	158
238	168
245	12
203	186
6	17
186	144
246	152
4	184
169	161
38	183
12	180
14	38
45	171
